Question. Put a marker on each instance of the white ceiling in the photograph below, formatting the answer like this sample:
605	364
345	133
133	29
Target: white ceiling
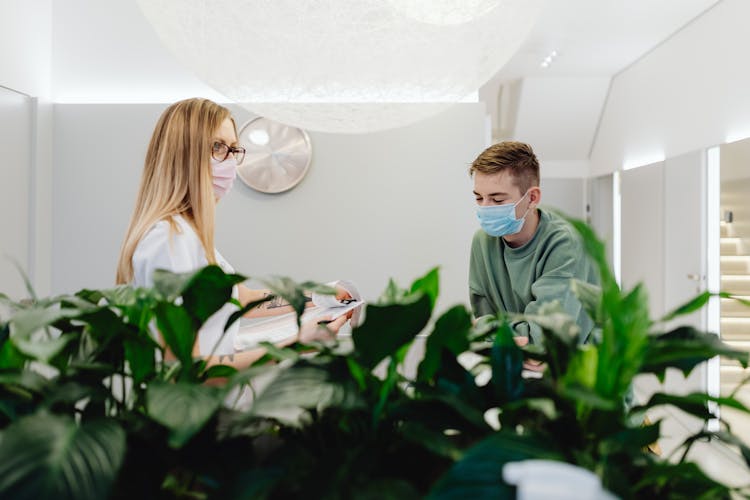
599	37
107	52
557	108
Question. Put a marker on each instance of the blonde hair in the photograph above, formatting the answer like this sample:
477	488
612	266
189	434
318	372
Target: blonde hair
516	158
176	178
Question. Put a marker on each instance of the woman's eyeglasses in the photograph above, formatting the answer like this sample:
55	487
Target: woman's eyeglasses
220	152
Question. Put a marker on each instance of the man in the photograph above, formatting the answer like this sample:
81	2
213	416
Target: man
523	256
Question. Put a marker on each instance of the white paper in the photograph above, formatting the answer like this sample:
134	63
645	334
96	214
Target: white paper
283	327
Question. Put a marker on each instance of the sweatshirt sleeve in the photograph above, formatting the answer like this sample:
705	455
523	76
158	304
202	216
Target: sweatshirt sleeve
480	304
564	261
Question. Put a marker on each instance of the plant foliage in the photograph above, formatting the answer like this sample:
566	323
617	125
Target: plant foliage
91	406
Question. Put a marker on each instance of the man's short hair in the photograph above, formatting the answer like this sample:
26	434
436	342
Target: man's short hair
516	158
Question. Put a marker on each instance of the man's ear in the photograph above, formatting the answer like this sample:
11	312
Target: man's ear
535	195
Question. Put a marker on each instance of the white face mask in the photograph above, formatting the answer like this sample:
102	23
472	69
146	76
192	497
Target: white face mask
500	220
224	173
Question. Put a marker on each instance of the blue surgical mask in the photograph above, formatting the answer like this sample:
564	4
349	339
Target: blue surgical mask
500	220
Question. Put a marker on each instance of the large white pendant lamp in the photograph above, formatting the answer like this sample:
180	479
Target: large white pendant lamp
343	65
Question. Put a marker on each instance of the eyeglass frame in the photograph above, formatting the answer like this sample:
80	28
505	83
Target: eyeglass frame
230	150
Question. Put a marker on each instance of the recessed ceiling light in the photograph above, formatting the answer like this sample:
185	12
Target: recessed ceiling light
548	60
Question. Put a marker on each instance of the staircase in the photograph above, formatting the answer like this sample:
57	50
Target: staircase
735	322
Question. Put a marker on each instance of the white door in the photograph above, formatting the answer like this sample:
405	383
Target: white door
685	233
15	168
663	246
642	232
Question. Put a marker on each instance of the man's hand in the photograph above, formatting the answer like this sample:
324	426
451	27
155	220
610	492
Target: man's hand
529	364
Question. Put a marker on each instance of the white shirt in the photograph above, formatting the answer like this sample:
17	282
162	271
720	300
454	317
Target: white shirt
182	252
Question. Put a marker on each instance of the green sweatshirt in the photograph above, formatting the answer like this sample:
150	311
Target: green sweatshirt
520	280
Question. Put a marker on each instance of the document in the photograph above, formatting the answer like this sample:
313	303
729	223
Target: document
276	329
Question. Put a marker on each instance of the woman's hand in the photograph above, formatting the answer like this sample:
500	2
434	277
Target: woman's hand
317	330
342	294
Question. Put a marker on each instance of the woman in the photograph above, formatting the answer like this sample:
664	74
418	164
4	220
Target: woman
190	165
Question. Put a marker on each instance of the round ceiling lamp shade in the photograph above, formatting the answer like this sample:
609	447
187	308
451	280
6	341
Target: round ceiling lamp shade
445	11
343	65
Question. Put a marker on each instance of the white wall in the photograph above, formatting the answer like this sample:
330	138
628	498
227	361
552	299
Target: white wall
689	93
558	116
388	204
25	68
563	194
15	151
26	46
600	213
126	63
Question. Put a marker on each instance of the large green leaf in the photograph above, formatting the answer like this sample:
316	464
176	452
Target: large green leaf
682	480
140	354
595	250
293	293
695	403
42	349
479	473
182	408
219	371
507	363
684	348
207	291
624	341
429	284
389	327
10	357
699	301
26	379
590	297
392	293
582	367
630	439
48	456
387	489
245	309
178	330
203	292
450	333
303	387
436	442
25	322
688	307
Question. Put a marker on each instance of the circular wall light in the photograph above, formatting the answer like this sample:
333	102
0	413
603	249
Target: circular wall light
277	156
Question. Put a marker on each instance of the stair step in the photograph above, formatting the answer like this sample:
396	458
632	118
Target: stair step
731	246
740	345
736	284
735	328
735	309
735	264
742	395
732	375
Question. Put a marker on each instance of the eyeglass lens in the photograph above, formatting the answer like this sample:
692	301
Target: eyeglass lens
221	151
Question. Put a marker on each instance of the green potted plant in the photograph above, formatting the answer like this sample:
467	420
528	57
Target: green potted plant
90	407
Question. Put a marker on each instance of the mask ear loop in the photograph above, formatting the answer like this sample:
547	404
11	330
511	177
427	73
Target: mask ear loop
527	210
